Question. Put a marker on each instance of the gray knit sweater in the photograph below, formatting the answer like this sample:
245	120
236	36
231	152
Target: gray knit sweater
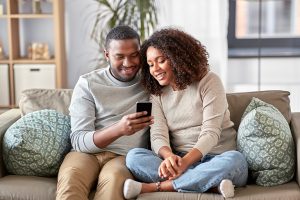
99	100
196	117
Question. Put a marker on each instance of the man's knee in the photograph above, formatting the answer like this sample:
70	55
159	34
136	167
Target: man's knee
115	171
77	175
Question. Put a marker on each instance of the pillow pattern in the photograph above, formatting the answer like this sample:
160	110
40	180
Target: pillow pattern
264	137
37	143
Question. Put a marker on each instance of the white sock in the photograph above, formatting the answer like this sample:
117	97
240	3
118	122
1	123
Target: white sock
226	188
131	189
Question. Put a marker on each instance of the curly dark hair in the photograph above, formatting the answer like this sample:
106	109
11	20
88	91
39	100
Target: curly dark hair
188	58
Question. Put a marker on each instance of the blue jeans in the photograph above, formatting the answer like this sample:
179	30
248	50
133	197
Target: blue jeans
200	177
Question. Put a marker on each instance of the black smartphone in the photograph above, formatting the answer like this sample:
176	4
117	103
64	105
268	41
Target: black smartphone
144	106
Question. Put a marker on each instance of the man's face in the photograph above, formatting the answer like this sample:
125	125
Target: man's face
124	59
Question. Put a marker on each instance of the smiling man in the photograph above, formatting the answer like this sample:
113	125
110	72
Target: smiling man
104	123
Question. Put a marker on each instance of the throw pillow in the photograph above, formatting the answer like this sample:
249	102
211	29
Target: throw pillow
37	143
265	138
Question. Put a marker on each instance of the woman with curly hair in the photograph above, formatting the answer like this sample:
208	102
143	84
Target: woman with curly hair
192	138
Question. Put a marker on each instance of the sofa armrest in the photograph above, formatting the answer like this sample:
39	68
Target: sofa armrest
6	120
295	126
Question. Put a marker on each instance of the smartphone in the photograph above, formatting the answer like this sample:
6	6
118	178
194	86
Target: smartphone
144	106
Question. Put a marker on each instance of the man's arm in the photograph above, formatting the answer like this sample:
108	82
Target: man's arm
128	125
84	136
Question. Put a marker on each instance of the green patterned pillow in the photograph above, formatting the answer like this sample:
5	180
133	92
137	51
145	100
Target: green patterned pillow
264	137
37	143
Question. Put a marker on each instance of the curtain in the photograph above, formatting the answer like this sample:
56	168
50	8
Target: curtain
206	20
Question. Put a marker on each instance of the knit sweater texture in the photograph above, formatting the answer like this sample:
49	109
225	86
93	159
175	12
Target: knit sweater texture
99	100
196	117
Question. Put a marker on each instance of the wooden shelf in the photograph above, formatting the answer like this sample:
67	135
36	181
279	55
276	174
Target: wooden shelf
31	16
30	61
15	19
4	61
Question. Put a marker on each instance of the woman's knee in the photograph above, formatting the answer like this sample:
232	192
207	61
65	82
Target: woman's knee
134	156
238	166
236	157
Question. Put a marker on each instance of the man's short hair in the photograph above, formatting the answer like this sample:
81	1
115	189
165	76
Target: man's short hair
121	32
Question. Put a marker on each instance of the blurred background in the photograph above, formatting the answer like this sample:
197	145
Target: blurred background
253	44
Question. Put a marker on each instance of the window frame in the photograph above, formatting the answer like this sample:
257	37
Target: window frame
254	47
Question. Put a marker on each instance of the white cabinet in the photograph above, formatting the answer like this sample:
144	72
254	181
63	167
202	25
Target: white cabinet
4	85
33	76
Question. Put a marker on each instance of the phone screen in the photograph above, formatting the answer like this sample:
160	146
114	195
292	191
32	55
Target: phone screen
144	106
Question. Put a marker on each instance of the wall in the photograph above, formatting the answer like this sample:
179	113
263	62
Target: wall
81	50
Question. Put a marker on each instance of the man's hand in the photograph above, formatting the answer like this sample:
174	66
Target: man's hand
129	124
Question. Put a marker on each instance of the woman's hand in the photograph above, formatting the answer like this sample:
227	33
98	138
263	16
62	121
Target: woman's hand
170	167
174	166
180	170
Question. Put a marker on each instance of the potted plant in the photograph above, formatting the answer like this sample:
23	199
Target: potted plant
139	14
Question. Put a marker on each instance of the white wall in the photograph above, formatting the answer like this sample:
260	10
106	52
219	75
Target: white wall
81	50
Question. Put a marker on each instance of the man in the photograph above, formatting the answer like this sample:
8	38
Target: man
104	123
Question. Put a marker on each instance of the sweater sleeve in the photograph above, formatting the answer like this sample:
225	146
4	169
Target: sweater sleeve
214	108
82	112
159	132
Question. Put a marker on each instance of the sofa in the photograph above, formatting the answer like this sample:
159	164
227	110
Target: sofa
43	188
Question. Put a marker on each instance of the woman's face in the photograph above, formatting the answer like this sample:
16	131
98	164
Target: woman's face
160	67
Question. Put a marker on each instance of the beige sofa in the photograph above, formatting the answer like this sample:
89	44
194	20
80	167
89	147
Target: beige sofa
42	188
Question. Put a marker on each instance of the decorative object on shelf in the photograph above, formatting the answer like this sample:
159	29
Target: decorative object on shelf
36	7
38	51
1	9
1	52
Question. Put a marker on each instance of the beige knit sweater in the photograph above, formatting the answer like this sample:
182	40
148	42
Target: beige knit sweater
196	117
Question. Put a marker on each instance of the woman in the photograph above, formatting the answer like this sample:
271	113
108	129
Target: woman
192	136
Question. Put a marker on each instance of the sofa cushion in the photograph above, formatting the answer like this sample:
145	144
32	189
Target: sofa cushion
238	102
288	191
37	143
39	99
14	187
265	138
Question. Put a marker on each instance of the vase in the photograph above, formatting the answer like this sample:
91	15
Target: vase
36	7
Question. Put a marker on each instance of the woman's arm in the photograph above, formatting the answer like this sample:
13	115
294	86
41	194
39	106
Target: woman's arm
170	167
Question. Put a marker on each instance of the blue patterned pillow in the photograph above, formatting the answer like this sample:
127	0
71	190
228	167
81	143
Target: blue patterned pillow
37	143
264	137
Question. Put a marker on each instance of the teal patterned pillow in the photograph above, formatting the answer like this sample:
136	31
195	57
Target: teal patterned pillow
265	138
37	143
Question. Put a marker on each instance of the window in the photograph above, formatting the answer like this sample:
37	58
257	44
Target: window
264	28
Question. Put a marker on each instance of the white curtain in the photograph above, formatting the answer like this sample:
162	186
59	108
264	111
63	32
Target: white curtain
206	20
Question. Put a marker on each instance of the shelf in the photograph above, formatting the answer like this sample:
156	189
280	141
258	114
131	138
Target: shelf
20	27
31	16
4	61
6	107
30	61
